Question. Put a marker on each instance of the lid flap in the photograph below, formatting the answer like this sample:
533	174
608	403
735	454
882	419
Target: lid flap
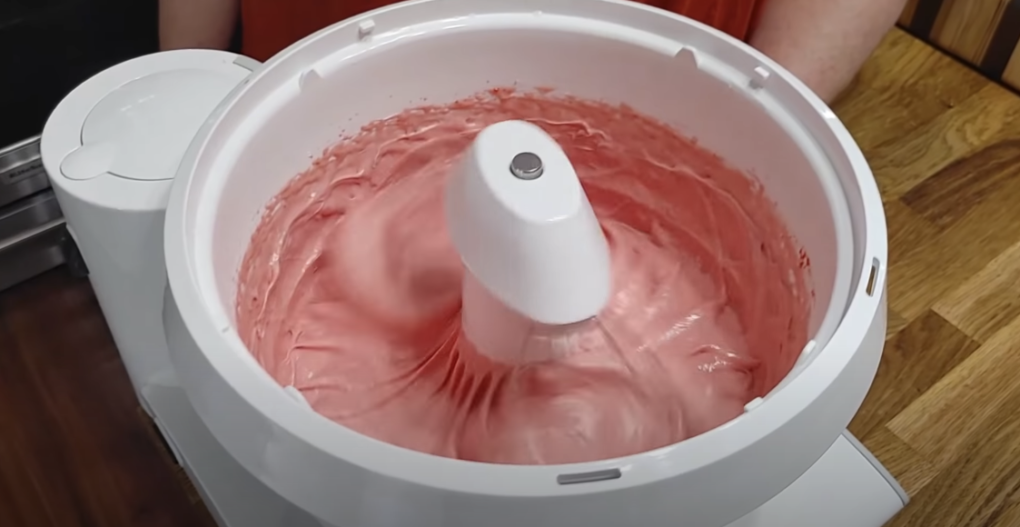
141	129
89	161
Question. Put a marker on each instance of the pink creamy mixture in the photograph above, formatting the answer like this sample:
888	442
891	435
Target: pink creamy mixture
350	292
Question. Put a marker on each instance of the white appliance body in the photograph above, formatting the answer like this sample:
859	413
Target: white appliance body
166	250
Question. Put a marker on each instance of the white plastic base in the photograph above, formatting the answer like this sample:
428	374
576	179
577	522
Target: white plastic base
847	487
234	497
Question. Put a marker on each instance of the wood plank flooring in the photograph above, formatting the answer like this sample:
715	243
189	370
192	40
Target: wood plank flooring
943	415
75	448
944	144
984	33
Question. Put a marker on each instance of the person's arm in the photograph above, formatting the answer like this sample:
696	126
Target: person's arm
824	42
188	24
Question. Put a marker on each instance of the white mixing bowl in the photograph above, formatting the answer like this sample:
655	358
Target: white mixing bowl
734	100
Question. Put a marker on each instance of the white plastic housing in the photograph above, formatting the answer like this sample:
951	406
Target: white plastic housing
111	149
530	242
734	100
846	487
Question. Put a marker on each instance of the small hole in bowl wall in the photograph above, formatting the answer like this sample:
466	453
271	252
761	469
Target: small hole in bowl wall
873	277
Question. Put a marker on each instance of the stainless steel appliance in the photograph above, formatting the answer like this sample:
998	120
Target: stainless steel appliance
33	237
47	47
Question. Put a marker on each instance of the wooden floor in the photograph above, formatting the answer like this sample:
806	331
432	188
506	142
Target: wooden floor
944	413
75	449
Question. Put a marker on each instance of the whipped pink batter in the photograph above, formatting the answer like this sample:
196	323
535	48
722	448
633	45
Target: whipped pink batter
350	292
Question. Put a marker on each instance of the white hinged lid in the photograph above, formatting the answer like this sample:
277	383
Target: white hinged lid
135	120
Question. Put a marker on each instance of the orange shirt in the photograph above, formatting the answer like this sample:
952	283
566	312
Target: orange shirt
271	25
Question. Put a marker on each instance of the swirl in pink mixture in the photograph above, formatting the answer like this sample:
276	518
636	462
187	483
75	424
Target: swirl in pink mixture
350	292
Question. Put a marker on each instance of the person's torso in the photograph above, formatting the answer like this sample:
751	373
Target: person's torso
271	25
